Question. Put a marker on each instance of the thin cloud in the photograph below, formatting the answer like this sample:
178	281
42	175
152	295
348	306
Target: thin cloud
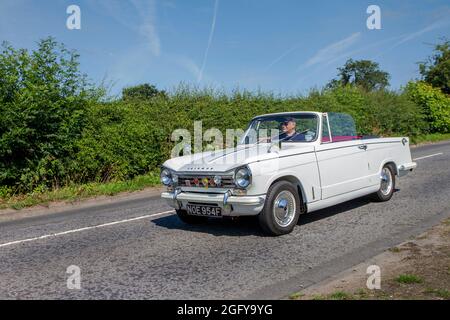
147	29
140	19
431	27
413	35
169	4
211	35
362	49
330	51
149	32
334	58
345	55
281	57
189	65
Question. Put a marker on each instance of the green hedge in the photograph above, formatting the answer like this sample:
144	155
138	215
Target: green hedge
127	138
435	105
43	111
122	139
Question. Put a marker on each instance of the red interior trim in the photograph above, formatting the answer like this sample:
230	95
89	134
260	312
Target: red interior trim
341	138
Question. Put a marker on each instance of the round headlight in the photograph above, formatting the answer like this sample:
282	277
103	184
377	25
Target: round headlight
166	177
242	177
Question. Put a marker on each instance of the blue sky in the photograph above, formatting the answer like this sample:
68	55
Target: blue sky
286	47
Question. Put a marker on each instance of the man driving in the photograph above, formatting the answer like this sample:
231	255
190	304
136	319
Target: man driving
289	133
288	130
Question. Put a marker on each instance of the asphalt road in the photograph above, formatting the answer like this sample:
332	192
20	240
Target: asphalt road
137	250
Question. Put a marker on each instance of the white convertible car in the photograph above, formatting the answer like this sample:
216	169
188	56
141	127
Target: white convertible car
287	164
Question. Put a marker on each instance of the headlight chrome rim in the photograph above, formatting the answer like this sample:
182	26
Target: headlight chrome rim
166	177
243	177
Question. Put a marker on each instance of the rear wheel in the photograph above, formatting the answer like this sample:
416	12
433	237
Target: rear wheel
281	210
387	184
189	219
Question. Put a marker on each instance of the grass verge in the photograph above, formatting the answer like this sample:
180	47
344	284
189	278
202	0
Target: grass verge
430	138
419	270
79	192
408	279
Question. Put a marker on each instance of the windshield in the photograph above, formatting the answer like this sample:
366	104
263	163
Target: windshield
284	128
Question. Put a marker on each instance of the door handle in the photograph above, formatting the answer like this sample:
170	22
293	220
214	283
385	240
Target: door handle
363	147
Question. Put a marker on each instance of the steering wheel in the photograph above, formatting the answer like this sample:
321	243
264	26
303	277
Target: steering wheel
304	132
265	139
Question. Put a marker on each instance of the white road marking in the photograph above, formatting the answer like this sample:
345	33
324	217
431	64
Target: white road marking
429	156
51	235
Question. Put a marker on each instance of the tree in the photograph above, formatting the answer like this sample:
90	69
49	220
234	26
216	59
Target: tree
43	99
434	103
436	70
142	91
363	73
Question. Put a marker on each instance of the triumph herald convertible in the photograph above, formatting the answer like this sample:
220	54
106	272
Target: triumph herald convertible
286	164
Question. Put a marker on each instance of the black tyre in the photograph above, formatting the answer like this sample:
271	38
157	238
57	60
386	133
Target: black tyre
189	219
281	210
387	185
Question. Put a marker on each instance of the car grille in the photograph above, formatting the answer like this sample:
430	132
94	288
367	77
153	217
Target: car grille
205	181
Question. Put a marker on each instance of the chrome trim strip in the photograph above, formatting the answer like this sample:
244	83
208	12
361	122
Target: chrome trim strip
215	198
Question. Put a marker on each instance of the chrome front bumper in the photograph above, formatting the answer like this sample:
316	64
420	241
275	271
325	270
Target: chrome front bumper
231	205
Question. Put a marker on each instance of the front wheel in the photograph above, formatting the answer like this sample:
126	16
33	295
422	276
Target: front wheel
281	210
387	185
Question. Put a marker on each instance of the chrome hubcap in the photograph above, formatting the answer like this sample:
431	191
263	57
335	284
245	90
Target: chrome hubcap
386	181
284	208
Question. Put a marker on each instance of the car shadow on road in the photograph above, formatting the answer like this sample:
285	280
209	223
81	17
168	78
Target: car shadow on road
336	209
243	226
331	211
246	226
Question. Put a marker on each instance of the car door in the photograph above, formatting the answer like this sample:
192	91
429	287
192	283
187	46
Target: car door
341	157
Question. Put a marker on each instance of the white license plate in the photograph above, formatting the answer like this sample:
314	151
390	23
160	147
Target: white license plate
201	210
